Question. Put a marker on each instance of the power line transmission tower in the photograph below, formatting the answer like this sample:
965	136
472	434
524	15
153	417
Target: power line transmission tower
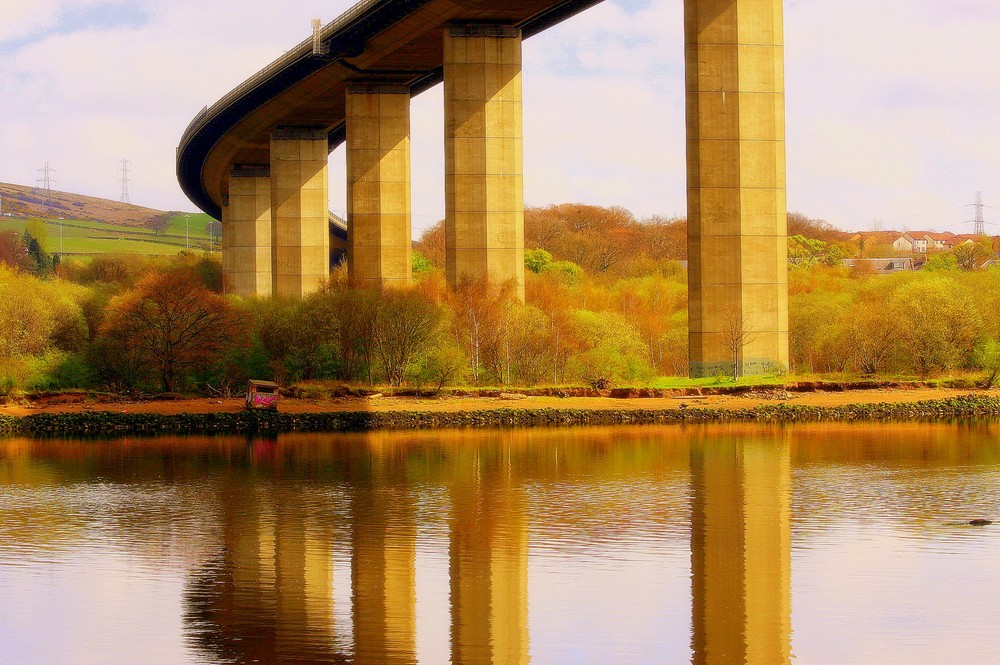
980	222
47	181
124	180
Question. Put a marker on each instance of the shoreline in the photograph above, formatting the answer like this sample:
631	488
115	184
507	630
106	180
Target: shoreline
209	416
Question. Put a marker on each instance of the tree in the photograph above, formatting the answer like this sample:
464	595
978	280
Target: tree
872	331
173	322
537	260
480	306
986	357
432	244
941	323
359	311
40	262
737	332
970	256
407	323
13	251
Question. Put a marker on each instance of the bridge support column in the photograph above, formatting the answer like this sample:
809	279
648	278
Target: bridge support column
737	252
300	240
378	184
484	197
248	269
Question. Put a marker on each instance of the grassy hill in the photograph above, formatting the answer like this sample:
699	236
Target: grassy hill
85	226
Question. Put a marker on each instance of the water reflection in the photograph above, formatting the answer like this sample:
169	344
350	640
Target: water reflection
741	551
265	596
307	548
383	564
488	562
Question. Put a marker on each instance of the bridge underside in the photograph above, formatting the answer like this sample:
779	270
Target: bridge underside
257	158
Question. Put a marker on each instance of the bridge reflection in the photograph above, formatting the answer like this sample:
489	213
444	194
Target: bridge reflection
269	596
741	551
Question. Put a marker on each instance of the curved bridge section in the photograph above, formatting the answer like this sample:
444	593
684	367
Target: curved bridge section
256	159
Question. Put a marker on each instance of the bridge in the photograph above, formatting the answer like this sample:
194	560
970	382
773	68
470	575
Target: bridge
257	158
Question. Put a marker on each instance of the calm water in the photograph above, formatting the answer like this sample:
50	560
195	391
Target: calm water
715	544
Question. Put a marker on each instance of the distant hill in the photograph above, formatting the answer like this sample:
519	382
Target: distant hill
34	202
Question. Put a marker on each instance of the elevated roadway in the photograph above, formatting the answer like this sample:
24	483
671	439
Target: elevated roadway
397	40
257	159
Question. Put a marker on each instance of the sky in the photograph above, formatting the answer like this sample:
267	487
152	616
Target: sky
891	104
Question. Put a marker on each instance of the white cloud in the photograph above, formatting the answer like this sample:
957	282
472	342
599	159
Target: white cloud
890	104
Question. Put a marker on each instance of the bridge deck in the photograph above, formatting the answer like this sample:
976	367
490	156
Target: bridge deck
401	40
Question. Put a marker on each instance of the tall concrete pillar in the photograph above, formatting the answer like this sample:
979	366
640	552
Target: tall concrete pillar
248	270
737	252
378	184
300	240
741	552
226	245
484	193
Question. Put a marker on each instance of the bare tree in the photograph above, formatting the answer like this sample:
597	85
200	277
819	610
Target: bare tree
737	332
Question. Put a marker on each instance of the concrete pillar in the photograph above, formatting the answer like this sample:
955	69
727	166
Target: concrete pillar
378	184
484	194
741	552
300	240
226	245
737	252
248	271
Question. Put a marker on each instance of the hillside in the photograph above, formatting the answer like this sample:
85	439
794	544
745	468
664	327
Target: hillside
85	226
33	202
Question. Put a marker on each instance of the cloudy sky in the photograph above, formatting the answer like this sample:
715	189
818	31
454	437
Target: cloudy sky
892	105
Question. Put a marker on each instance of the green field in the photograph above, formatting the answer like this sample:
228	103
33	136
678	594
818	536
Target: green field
82	238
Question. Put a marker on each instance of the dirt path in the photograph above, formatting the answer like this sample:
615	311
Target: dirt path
78	403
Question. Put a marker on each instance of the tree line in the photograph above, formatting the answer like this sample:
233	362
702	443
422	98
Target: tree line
606	302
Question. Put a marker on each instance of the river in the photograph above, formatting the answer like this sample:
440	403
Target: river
727	543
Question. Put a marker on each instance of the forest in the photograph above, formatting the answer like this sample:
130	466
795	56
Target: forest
606	303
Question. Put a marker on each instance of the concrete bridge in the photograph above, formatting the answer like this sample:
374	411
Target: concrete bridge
257	159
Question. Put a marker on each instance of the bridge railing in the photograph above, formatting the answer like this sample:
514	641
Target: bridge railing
304	48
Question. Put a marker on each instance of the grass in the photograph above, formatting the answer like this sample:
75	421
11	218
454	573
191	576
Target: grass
179	224
721	380
82	238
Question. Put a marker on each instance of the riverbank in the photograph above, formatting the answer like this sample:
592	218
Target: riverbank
79	415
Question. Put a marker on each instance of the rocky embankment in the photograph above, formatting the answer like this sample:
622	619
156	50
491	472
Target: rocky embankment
111	423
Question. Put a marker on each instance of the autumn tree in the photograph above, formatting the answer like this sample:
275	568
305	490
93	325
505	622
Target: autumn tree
550	294
432	244
172	322
406	325
481	307
13	251
972	255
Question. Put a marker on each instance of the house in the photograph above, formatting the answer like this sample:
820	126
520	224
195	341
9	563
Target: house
933	241
868	240
883	266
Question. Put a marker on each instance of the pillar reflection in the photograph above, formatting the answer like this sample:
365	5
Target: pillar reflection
488	567
741	551
383	568
268	595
